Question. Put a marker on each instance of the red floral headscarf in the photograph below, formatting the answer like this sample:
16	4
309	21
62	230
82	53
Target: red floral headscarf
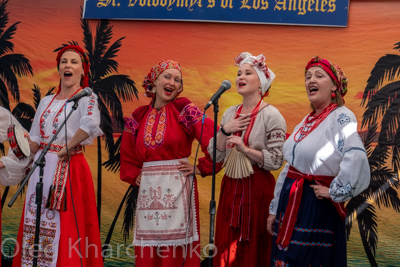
155	71
84	57
334	71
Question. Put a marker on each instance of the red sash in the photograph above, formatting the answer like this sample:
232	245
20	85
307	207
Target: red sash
241	203
289	219
57	199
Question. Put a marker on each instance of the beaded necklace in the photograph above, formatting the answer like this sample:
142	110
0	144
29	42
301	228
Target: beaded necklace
311	122
46	113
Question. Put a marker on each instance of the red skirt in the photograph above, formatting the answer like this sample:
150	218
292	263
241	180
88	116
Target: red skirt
69	253
257	251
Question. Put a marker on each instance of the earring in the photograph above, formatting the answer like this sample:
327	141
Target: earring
333	94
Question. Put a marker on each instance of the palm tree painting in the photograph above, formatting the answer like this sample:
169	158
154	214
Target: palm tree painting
11	65
110	88
381	100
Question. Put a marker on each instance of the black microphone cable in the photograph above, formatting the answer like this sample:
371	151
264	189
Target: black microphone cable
192	186
70	184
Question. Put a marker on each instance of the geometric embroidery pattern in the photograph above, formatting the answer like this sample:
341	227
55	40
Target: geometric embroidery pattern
151	139
47	234
190	115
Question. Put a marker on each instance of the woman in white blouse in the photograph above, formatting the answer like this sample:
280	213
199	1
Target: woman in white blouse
69	232
250	144
326	166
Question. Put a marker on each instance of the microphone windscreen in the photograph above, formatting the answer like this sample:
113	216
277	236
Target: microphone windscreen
227	83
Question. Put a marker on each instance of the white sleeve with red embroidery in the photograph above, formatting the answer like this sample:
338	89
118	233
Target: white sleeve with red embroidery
34	132
15	169
90	120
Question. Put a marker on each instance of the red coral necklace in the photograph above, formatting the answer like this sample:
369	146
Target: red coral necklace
312	122
47	111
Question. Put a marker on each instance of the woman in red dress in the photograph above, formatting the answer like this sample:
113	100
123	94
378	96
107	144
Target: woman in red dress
69	231
156	143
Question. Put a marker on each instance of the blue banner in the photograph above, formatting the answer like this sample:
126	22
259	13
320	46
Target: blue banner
293	12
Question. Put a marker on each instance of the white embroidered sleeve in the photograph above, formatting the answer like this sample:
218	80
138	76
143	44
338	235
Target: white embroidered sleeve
15	169
90	118
354	174
275	136
278	188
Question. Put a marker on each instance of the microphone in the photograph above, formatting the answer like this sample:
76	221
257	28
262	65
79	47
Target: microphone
224	86
85	92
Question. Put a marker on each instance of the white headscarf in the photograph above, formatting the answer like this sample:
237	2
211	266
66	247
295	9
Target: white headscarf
265	74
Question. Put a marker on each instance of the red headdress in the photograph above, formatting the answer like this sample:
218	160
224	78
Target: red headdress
84	57
155	71
334	71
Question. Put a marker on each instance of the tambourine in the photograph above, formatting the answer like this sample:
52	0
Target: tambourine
18	142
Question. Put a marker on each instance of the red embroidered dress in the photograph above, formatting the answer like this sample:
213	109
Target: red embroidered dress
163	136
58	233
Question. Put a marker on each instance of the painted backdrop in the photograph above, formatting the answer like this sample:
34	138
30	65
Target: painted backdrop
367	50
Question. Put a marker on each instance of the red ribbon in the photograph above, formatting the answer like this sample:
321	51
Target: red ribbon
296	191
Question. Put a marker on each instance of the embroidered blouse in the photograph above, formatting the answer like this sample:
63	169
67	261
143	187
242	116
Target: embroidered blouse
334	148
86	117
152	135
267	135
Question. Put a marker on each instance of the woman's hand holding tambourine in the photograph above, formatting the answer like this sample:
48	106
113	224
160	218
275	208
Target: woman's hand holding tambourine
33	146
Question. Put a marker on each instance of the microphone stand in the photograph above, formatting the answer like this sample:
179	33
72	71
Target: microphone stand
212	201
41	162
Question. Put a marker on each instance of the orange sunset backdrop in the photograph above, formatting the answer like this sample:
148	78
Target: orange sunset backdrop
206	52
